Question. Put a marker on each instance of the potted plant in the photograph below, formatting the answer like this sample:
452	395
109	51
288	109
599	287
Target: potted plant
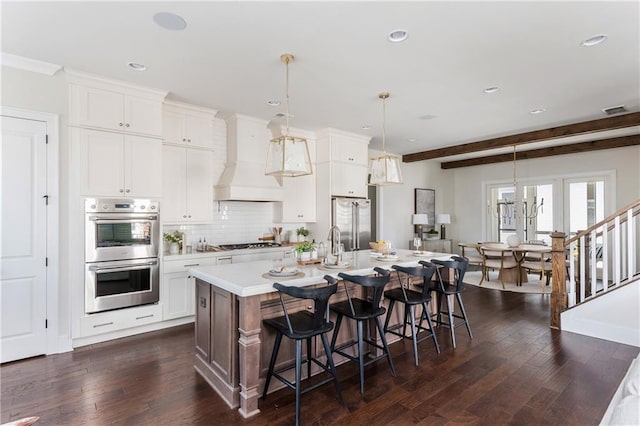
304	250
302	234
432	234
174	239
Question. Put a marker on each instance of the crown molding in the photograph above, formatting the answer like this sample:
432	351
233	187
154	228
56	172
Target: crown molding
28	64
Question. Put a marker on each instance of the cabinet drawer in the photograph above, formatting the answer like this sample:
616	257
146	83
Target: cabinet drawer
119	319
171	266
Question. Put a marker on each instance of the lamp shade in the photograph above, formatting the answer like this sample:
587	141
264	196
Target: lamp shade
420	219
443	218
288	156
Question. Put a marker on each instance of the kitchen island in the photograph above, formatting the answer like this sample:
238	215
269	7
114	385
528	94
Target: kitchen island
232	348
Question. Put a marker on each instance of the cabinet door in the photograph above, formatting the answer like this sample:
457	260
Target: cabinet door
178	296
101	162
348	180
99	108
203	320
199	131
143	116
174	183
199	187
143	166
173	129
299	199
349	151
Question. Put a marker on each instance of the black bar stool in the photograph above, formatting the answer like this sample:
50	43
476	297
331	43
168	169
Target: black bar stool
411	299
361	311
443	290
299	326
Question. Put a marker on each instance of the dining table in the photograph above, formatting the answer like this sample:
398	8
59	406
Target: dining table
516	275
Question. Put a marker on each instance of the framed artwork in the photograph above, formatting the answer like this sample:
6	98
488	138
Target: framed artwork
425	202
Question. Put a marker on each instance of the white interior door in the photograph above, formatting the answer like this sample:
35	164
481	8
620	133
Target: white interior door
23	286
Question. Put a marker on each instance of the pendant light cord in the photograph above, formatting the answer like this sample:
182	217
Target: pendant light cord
287	93
384	124
514	169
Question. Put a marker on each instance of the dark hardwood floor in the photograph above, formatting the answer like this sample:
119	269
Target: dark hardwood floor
515	371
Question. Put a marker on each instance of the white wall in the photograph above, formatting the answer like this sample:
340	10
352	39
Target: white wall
39	92
469	182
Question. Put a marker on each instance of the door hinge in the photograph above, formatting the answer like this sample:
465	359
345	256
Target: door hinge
46	261
46	323
46	139
46	200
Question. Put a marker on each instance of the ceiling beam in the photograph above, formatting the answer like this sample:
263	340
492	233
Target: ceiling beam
574	148
609	123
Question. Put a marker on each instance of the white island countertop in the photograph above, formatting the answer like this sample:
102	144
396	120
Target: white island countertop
246	279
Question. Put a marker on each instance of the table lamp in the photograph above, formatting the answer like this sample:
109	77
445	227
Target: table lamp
418	220
442	219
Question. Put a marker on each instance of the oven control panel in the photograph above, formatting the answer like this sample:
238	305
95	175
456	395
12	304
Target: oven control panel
114	205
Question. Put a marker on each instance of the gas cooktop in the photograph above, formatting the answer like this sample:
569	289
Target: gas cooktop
248	246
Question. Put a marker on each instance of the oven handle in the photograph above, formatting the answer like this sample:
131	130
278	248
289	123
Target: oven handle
114	219
133	267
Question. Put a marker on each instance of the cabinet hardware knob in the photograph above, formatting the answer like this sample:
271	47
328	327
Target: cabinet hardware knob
184	139
122	190
188	140
120	124
128	191
126	125
184	216
189	216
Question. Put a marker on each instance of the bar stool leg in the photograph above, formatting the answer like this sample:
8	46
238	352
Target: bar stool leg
386	347
386	321
451	322
361	356
309	357
464	314
425	313
327	351
272	363
414	335
404	324
298	378
336	329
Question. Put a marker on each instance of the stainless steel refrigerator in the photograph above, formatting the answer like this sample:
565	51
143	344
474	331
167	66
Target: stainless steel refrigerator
353	217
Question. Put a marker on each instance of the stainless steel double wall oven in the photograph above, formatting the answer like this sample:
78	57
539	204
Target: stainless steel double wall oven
122	240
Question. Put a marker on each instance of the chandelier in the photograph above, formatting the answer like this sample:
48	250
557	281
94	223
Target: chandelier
288	156
385	169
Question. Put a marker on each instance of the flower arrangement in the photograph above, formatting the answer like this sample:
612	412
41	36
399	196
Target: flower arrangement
174	237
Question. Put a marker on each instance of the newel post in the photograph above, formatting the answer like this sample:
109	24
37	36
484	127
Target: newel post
559	277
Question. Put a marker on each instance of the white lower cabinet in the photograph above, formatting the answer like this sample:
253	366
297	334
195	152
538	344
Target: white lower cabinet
120	319
177	291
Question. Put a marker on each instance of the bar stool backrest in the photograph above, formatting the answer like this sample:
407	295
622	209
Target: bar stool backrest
426	272
458	265
319	295
376	282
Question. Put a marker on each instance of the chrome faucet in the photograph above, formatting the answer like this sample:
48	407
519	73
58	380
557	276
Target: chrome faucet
322	252
334	239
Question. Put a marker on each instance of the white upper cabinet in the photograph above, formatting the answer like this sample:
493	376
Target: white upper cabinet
188	125
188	186
115	106
116	165
349	150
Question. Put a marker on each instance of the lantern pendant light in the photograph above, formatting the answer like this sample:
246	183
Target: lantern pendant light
288	156
384	170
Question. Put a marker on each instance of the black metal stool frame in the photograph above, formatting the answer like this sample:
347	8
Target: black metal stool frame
411	299
299	326
361	310
459	266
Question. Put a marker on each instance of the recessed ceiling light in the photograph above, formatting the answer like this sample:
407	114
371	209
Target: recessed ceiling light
170	21
137	66
492	89
366	127
273	102
396	36
426	117
412	139
592	41
537	111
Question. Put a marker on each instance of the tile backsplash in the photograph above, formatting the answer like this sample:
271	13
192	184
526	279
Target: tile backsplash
236	222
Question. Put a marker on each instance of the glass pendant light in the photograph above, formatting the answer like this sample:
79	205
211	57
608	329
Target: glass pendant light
288	156
384	170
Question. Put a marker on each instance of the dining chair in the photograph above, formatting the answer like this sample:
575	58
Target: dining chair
471	251
299	326
496	258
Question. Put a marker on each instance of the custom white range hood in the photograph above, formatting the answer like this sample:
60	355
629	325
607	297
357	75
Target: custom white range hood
243	178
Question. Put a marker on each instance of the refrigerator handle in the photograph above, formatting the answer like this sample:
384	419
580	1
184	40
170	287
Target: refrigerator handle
356	228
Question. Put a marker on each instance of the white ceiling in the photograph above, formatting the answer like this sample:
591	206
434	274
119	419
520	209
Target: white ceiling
228	58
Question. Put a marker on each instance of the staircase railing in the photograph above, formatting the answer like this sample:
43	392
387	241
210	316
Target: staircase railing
594	261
